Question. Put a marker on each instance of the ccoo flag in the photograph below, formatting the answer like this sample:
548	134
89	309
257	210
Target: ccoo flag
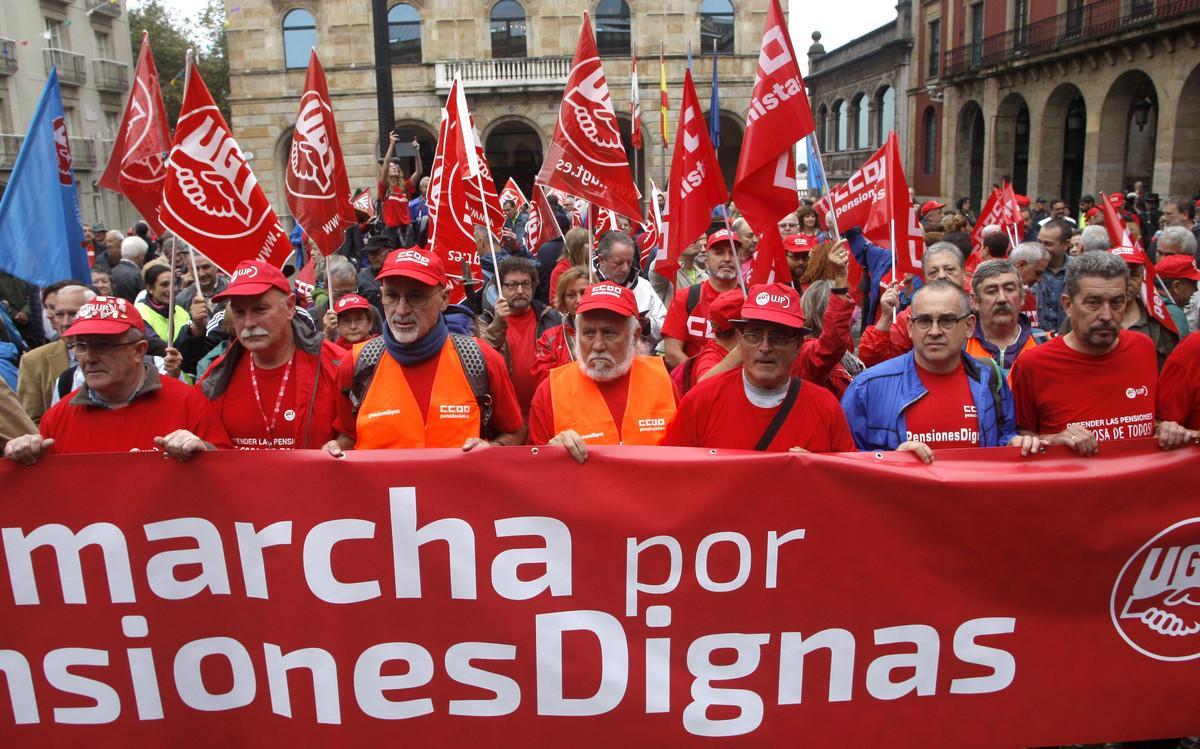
41	230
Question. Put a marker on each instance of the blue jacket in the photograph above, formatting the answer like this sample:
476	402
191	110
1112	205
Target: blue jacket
876	261
876	401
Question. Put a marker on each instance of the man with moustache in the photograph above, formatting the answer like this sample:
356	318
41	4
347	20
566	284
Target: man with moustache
1001	332
609	395
1098	382
418	385
276	385
686	328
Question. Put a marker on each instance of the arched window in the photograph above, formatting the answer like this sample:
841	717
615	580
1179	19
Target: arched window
612	28
716	24
929	136
509	30
404	34
843	128
885	113
299	37
862	122
831	133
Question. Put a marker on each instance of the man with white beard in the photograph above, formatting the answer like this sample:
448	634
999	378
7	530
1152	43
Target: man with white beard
609	395
276	385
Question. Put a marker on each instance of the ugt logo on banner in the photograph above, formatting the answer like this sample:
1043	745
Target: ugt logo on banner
1156	600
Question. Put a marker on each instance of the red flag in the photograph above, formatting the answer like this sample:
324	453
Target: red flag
635	105
541	226
364	203
696	185
434	192
586	157
850	202
137	167
602	221
991	213
306	281
893	223
779	116
658	225
1012	214
211	199
1131	251
512	192
316	183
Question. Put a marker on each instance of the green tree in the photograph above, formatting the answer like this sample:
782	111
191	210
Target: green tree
214	57
170	39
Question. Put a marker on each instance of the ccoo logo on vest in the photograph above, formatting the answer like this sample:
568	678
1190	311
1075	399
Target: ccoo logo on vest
1155	602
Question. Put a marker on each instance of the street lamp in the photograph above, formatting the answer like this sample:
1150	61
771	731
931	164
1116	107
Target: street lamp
1141	112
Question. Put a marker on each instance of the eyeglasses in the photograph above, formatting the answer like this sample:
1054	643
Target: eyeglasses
98	348
774	339
944	322
415	301
514	285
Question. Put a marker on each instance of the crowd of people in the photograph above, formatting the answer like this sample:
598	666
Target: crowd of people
578	342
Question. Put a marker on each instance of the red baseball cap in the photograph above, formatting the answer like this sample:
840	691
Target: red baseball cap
1130	255
773	302
106	315
1117	200
609	296
254	277
1093	212
349	302
724	235
723	310
410	262
930	205
1178	266
799	243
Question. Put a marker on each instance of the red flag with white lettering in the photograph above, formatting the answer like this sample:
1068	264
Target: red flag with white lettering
512	192
1131	251
541	226
211	199
992	213
1013	222
586	157
893	223
364	203
317	187
137	167
696	185
850	202
779	117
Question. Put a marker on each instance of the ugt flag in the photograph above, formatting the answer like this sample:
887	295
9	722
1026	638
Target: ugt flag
41	230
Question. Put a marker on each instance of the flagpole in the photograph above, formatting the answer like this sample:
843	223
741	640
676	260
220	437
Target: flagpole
187	74
736	258
196	279
591	247
487	227
833	224
662	78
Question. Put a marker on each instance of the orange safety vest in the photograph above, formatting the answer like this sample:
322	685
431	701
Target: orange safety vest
579	405
975	349
389	417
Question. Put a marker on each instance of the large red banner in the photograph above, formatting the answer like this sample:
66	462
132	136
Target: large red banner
512	597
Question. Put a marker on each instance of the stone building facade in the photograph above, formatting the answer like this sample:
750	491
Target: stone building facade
88	40
513	57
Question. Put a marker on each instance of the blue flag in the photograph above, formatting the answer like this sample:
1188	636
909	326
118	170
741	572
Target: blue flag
41	229
714	106
816	172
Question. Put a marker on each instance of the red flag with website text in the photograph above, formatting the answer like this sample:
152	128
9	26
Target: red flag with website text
317	187
1124	245
779	117
586	157
540	226
211	199
137	167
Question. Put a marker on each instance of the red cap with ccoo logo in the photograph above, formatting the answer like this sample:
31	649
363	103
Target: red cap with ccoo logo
106	315
773	302
608	296
348	302
254	277
800	243
1130	255
410	262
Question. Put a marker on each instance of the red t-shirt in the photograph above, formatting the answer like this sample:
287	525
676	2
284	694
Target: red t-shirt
521	338
552	349
946	416
247	423
561	267
716	413
395	204
694	329
710	356
506	412
1179	384
1112	395
541	413
85	428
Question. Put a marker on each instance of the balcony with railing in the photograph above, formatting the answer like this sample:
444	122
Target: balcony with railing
72	68
83	153
1086	24
107	8
520	73
111	75
8	56
10	146
840	165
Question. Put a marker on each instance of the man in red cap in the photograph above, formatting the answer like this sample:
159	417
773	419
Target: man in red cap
1182	279
609	395
418	385
761	406
356	320
123	404
720	354
799	249
276	385
686	328
931	215
1136	317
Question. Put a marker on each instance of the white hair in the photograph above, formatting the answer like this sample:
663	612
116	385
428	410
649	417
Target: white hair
1029	252
620	367
133	248
1095	238
88	294
1179	238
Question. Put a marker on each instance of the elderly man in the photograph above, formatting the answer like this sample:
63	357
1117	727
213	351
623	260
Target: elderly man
418	385
1098	382
609	395
127	273
686	328
1094	238
41	367
208	283
517	323
761	406
889	338
276	385
1176	240
1180	211
1031	260
1179	274
1055	236
123	403
108	247
343	280
1001	332
935	396
616	261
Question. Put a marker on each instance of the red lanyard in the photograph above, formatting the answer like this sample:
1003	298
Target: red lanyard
278	399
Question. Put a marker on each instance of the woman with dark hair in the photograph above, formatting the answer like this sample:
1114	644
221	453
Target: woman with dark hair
154	308
963	205
808	222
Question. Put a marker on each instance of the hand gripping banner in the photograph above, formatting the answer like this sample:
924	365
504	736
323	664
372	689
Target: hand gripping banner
822	600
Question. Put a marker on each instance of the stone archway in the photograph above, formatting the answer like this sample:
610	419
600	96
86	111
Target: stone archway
1010	133
1187	138
730	149
1128	133
1063	136
513	148
968	153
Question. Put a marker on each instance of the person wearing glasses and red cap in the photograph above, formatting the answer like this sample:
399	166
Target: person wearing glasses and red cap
123	403
357	320
761	405
276	386
418	385
609	395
